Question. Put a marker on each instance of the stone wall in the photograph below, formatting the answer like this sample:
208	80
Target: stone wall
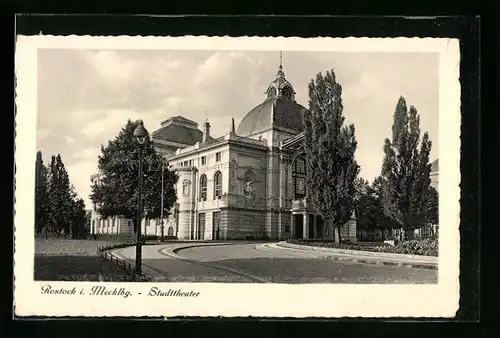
241	224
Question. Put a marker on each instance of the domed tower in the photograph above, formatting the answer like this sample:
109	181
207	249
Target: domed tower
278	114
280	87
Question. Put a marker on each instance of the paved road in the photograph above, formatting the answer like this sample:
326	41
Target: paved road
277	265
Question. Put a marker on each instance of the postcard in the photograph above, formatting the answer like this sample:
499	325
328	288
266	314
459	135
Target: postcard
237	176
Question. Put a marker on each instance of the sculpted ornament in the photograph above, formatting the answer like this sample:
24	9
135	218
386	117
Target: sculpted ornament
249	189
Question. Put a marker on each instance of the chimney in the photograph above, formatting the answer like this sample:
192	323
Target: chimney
206	131
233	130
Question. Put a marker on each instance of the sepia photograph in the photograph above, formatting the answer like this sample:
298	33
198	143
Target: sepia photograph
154	168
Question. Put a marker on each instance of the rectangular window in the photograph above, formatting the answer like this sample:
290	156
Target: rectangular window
218	157
186	163
190	163
113	223
204	160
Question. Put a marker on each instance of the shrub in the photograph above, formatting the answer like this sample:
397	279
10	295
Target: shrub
426	247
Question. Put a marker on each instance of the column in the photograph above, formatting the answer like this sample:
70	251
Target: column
305	232
315	227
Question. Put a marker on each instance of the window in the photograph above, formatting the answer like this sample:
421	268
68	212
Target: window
186	163
95	206
113	223
185	188
129	223
203	187
299	178
218	157
190	163
204	160
217	185
287	93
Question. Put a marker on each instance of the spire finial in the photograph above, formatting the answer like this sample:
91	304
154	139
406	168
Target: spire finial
281	73
232	125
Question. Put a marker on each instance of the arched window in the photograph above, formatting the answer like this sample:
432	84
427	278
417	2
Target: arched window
287	93
203	187
217	185
299	177
271	92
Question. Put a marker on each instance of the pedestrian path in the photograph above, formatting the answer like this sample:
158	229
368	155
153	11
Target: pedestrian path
366	257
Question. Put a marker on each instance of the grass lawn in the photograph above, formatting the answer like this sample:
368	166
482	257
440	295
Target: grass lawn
75	260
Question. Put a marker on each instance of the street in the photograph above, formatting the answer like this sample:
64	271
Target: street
251	263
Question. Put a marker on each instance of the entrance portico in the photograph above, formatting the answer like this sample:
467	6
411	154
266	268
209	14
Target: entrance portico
306	223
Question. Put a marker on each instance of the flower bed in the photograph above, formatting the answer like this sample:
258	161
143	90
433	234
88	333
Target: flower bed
425	247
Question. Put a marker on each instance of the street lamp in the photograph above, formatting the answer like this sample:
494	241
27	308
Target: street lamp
140	134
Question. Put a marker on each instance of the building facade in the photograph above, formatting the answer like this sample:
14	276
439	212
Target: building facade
435	174
246	184
250	182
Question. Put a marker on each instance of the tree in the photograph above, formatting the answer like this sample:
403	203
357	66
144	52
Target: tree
41	194
406	170
329	148
78	218
367	206
432	206
60	197
116	194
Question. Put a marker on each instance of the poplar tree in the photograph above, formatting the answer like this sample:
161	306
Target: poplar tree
117	192
406	170
330	147
60	196
41	194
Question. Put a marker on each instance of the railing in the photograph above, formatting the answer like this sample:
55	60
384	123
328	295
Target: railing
104	252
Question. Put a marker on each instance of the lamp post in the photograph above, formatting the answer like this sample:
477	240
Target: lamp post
140	134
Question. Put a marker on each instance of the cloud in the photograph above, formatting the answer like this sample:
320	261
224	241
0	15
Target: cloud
69	140
109	124
85	97
110	64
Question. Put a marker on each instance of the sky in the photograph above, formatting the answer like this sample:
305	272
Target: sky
86	96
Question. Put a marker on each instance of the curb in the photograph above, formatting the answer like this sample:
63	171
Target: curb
341	255
422	259
380	262
153	274
173	254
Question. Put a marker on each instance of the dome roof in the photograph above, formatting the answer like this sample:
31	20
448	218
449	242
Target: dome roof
273	112
278	110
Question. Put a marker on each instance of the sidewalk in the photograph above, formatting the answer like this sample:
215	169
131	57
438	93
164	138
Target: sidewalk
366	257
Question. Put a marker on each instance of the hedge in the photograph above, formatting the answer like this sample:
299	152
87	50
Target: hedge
425	247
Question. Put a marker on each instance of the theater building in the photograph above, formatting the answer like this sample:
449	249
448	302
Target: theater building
248	183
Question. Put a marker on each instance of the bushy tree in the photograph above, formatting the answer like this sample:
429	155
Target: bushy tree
117	192
41	194
329	146
406	169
